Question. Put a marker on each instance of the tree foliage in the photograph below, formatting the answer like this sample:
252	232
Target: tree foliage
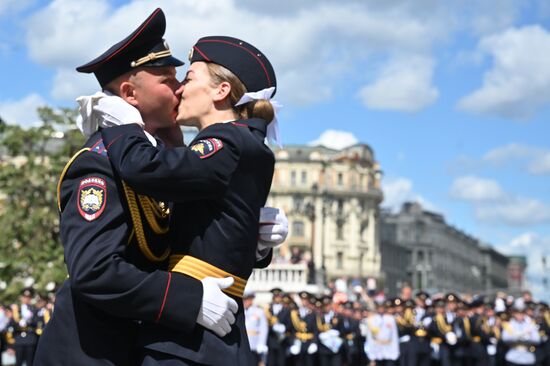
31	161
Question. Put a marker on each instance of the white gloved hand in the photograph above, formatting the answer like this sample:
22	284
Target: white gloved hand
273	228
312	348
262	349
114	111
217	309
279	328
296	347
104	109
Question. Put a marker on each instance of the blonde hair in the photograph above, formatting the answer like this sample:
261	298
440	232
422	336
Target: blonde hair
253	109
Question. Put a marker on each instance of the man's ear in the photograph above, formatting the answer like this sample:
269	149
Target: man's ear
222	91
128	93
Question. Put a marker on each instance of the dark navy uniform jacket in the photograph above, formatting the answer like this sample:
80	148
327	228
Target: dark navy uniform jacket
220	182
111	282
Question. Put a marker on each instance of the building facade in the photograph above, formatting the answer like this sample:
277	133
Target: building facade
420	248
331	198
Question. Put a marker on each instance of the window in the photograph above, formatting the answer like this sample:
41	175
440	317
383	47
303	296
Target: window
339	260
340	179
304	177
293	177
340	230
298	228
340	207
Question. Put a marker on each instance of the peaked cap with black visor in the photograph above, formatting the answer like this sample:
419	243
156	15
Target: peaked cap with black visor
144	47
241	58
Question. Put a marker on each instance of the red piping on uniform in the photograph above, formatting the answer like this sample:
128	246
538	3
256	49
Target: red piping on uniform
165	296
239	124
112	142
202	54
244	48
129	41
95	145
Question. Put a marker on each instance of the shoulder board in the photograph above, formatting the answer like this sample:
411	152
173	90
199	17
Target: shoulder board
71	160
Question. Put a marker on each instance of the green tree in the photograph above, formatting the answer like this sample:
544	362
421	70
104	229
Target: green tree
31	161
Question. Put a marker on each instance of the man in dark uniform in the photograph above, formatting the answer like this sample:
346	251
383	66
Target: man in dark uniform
219	184
114	240
303	348
330	340
480	333
278	317
351	334
22	329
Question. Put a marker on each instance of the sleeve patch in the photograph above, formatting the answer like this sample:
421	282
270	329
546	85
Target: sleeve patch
207	148
92	197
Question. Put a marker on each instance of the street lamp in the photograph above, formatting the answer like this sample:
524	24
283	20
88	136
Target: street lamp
308	209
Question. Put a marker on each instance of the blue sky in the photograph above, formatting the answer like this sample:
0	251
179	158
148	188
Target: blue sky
452	96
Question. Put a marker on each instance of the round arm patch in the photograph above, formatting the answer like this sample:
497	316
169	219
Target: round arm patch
207	148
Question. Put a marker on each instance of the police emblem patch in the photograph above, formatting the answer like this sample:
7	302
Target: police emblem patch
92	195
206	148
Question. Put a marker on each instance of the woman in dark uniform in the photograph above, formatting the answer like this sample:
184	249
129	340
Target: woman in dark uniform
219	184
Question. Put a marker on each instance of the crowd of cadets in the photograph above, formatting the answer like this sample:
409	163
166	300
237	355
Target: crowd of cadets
22	323
303	329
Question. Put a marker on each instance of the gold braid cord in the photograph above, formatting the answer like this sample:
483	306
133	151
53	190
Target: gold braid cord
150	211
444	328
322	327
299	325
467	327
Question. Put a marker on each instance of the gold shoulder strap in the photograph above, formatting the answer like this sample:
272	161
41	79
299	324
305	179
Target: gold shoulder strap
65	172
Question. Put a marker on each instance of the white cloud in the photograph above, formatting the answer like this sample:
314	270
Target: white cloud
492	204
400	190
320	51
519	82
68	85
535	160
517	211
22	112
534	247
13	6
334	139
476	189
404	84
541	164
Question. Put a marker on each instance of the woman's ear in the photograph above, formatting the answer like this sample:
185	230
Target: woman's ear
222	91
128	93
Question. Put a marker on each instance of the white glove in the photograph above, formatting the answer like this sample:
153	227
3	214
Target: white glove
261	349
104	110
114	111
451	338
296	347
273	228
217	309
312	348
279	328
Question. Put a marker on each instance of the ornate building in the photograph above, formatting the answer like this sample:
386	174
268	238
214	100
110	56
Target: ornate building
332	200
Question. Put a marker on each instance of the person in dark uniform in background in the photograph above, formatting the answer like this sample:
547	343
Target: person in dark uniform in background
278	316
404	317
219	184
21	330
480	333
330	340
303	347
114	240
